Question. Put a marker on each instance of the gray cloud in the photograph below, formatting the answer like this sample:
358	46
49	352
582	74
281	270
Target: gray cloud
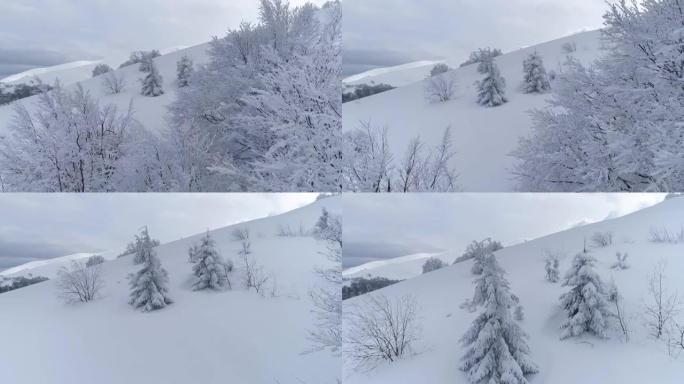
43	226
82	30
453	28
383	227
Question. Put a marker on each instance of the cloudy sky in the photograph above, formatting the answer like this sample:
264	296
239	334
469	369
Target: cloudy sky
37	33
382	227
41	226
391	32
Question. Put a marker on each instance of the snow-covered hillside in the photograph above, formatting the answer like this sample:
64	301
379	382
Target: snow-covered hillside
483	137
48	267
234	336
590	360
398	268
150	111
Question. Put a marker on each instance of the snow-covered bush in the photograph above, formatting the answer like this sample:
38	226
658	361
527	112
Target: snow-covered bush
379	329
585	304
289	231
79	283
254	276
433	264
602	239
482	54
535	79
551	265
438	69
211	271
328	227
94	260
491	89
666	236
149	285
569	47
497	349
477	250
101	69
240	234
367	160
113	83
152	83
184	69
621	262
440	88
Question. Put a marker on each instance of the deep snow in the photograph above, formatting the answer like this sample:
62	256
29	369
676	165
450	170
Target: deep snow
234	336
483	137
587	360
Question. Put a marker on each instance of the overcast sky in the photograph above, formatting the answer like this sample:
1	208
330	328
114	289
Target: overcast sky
381	227
41	226
391	32
37	33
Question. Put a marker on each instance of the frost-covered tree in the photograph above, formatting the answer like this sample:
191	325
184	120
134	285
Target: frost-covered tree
101	69
328	227
79	282
265	112
149	285
440	88
491	89
433	264
211	271
481	55
152	83
615	126
113	83
368	160
551	265
535	78
68	142
143	246
184	69
586	303
497	350
427	172
94	260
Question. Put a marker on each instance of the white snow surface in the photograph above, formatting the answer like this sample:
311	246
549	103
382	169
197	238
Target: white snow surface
398	268
150	111
483	137
397	76
231	336
586	360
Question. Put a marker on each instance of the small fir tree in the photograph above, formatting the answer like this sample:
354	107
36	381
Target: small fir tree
535	80
209	268
149	285
184	69
585	303
491	89
497	351
152	83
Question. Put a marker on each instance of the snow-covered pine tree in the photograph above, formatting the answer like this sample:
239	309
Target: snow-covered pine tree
551	264
148	285
535	80
491	89
209	268
477	250
497	349
152	83
184	68
143	246
585	304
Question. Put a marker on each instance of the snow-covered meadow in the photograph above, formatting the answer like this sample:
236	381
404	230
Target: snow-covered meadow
441	318
210	336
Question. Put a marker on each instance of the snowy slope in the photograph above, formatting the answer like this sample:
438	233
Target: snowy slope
585	360
397	76
483	137
398	268
150	111
203	337
49	267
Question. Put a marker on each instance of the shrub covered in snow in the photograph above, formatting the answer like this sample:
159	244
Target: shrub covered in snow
433	264
210	270
78	283
94	260
149	285
101	69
